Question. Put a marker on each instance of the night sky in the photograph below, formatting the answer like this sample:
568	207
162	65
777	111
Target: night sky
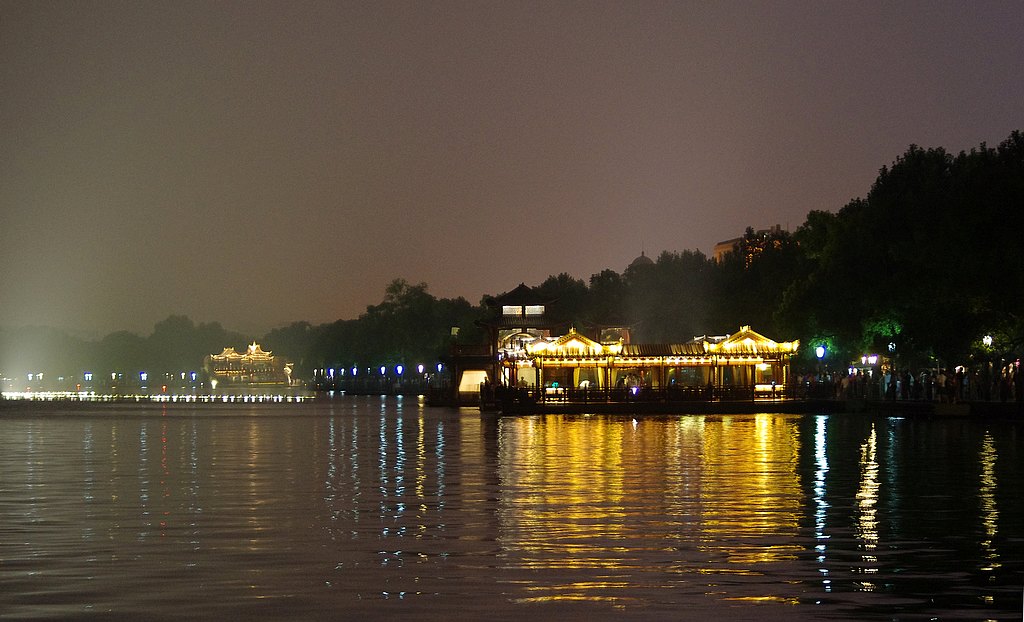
257	163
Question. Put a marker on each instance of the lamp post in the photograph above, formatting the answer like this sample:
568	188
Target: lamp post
819	353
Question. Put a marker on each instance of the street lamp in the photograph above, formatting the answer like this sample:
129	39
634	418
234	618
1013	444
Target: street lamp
819	352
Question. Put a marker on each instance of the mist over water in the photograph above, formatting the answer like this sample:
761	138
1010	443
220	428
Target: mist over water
372	508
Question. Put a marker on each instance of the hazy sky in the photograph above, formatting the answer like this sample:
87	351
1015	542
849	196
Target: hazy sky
256	163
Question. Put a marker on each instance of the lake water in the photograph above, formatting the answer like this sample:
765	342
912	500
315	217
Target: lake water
370	508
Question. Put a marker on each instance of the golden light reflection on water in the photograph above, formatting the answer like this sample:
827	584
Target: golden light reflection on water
989	511
750	487
866	526
581	516
703	496
565	484
765	599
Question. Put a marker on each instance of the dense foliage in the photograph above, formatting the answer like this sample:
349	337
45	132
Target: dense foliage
176	344
410	326
923	267
929	262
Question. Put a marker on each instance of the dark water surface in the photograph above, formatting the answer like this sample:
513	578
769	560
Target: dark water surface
364	508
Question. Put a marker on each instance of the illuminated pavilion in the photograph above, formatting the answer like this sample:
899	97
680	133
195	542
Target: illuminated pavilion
527	352
256	366
742	359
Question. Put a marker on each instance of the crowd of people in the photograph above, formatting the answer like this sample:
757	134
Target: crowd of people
988	383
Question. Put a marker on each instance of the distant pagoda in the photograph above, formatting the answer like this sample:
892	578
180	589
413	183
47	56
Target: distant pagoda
256	366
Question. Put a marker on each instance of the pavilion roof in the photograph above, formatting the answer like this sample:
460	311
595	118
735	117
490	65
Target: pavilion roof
569	344
663	349
521	296
743	342
748	341
255	350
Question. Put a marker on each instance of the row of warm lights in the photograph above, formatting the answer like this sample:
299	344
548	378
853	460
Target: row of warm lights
642	362
577	348
399	370
572	345
89	396
695	361
749	344
635	390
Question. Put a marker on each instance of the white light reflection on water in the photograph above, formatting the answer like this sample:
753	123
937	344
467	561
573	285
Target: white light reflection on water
195	505
820	495
439	453
400	462
354	453
143	475
893	473
421	465
382	468
88	470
